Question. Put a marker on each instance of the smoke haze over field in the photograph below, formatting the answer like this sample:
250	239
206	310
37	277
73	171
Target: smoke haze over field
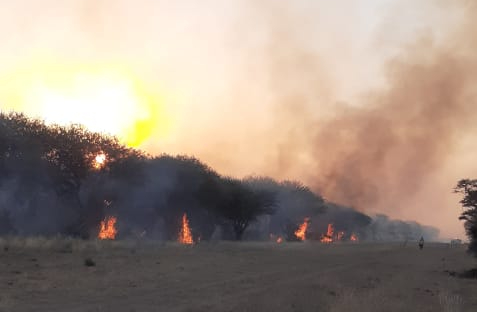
371	103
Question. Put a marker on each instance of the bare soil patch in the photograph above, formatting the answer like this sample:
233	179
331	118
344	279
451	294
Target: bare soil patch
51	275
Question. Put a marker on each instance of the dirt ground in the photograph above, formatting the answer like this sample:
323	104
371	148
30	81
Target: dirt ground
51	275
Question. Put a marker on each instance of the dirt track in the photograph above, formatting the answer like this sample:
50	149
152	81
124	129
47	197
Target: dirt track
52	276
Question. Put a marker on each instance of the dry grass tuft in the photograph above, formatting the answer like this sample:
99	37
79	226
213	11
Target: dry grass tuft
89	262
450	302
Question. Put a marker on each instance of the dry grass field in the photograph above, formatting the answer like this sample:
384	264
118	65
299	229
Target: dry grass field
50	275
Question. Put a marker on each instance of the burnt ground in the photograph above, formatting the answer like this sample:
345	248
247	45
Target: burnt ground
65	275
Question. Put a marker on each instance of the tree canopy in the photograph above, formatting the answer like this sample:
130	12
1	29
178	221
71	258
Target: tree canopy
468	188
66	180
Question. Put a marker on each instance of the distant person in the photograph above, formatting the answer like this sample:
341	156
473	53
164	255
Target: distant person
421	243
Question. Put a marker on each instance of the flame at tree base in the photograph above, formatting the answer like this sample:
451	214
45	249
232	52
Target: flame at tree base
328	237
108	228
185	234
331	235
301	232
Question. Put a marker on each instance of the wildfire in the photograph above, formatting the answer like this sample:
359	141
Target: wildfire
353	237
99	161
185	234
301	232
328	237
108	228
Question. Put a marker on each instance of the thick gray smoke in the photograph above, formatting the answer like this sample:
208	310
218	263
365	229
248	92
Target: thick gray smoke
381	150
384	229
382	154
295	202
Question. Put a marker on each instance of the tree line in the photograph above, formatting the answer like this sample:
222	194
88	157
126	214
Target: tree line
51	183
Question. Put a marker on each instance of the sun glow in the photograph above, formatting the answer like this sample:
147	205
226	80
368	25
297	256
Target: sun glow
104	98
99	161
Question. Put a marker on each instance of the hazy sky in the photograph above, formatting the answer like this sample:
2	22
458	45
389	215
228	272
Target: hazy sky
370	102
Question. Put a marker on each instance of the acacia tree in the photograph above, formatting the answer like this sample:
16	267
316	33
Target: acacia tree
58	160
182	184
71	152
241	205
468	188
294	202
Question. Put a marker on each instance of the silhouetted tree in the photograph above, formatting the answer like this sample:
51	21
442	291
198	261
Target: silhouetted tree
71	153
183	184
49	185
468	188
47	159
294	202
25	178
241	205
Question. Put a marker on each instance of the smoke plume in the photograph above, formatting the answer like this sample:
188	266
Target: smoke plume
378	151
370	104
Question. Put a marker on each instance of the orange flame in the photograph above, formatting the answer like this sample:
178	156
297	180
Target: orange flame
185	234
301	232
108	228
328	238
279	240
353	237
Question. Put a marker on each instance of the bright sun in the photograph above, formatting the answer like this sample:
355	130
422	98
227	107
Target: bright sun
100	159
106	99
